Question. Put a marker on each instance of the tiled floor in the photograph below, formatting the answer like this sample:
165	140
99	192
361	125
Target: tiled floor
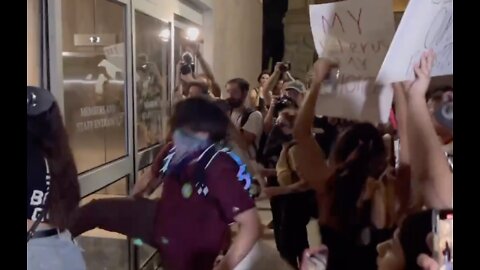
266	216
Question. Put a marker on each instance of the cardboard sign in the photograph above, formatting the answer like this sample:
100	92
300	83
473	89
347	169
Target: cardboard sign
356	34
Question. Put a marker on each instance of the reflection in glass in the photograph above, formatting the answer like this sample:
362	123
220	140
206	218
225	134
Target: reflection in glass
34	45
151	79
177	50
103	249
145	251
94	80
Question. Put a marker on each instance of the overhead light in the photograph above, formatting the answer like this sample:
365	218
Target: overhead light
192	33
164	35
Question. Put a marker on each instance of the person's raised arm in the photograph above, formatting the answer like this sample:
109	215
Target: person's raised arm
216	90
400	100
309	157
194	47
289	77
179	85
306	113
429	165
268	121
271	83
403	173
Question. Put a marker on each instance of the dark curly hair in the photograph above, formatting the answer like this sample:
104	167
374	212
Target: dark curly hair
348	183
201	115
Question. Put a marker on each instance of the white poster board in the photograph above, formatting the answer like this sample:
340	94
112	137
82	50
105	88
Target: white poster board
426	24
115	59
356	34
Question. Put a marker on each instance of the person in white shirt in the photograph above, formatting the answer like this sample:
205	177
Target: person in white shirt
248	121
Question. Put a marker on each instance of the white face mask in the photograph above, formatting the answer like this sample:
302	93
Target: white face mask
186	144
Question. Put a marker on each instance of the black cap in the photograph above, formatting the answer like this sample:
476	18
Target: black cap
39	100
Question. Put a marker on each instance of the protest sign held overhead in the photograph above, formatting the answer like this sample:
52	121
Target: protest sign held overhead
356	34
426	24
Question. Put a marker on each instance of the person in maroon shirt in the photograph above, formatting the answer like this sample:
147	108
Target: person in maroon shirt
203	193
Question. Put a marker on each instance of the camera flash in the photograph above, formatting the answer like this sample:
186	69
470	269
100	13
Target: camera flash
192	33
164	35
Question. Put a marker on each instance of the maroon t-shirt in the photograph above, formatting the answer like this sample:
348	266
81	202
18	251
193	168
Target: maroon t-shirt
190	227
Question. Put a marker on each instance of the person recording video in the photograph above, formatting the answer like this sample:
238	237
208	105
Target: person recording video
186	72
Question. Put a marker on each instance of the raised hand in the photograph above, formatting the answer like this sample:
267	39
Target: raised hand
278	66
321	69
423	69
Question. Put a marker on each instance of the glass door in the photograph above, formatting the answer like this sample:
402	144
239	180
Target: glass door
90	50
152	76
111	73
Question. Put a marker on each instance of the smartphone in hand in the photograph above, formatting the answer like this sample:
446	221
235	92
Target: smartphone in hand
442	229
329	85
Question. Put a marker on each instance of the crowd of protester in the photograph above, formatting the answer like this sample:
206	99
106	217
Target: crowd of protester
373	204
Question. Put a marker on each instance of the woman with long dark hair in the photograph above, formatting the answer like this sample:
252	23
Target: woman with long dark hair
255	96
423	180
350	199
53	191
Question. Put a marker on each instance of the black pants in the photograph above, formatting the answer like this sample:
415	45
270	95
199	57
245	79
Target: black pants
293	236
273	46
134	217
277	209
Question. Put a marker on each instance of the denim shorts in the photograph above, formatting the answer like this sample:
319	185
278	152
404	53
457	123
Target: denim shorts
58	252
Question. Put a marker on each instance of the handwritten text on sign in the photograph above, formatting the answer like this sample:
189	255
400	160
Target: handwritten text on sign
426	24
356	34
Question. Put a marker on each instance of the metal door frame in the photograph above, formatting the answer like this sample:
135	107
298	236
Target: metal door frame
106	174
146	156
127	166
95	179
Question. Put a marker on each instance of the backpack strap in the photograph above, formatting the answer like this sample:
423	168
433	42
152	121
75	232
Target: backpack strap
243	120
245	115
242	175
204	161
201	165
166	161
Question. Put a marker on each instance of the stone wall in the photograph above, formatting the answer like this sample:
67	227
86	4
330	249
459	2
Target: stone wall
299	47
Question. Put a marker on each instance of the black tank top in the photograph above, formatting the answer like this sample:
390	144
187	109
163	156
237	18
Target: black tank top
354	248
38	181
